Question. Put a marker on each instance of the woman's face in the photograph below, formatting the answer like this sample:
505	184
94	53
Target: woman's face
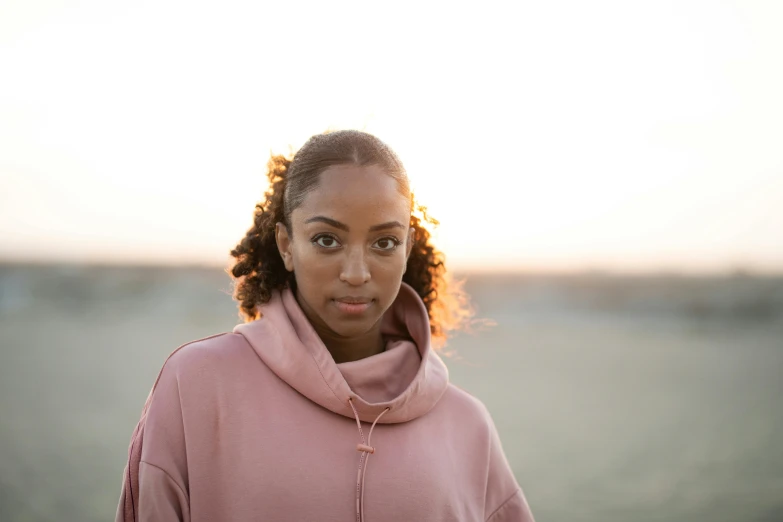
348	248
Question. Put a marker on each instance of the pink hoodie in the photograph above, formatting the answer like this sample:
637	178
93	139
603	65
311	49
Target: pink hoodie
262	424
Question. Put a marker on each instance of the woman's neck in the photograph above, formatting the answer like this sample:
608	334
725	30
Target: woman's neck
347	350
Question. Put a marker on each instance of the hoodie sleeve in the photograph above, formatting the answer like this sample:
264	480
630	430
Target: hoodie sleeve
163	470
504	501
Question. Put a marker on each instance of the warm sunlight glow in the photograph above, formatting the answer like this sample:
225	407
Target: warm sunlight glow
551	136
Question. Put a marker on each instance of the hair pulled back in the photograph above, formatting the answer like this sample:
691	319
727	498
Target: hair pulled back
259	267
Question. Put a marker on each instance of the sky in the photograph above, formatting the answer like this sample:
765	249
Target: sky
544	136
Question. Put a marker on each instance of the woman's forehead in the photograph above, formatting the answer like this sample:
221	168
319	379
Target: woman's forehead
355	193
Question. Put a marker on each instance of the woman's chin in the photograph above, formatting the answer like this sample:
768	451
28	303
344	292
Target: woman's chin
350	326
350	329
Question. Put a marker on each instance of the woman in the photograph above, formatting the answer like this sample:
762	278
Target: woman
278	419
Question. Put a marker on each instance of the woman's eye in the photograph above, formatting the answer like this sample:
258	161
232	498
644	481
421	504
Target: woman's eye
326	242
387	243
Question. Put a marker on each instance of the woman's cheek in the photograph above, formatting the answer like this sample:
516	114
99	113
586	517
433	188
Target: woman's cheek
391	267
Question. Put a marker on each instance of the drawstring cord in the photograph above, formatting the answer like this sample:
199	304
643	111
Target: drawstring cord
366	450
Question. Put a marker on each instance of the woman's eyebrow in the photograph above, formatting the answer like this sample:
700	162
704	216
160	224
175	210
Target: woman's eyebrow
388	224
342	226
328	221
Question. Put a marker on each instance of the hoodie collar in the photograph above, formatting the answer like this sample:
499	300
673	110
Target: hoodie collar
408	378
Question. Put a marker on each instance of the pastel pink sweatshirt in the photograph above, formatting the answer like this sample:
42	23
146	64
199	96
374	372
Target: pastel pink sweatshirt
262	424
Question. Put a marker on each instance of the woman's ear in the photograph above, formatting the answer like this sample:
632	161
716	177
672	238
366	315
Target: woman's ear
283	241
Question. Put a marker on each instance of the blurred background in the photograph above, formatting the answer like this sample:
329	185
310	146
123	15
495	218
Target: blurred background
608	177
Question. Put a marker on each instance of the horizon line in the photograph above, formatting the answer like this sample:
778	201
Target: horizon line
595	270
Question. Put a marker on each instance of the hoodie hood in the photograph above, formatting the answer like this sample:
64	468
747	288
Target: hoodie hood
405	381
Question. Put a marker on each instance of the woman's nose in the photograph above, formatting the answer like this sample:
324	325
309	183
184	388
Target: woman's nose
355	270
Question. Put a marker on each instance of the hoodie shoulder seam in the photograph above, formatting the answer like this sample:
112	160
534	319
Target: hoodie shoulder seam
214	336
503	504
168	475
168	358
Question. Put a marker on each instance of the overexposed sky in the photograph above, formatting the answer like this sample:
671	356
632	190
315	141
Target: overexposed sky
553	135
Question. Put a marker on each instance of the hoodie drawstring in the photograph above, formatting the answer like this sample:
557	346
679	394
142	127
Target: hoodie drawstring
366	449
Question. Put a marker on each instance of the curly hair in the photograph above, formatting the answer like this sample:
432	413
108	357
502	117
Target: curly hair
259	267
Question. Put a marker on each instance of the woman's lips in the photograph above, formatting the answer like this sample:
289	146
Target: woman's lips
352	306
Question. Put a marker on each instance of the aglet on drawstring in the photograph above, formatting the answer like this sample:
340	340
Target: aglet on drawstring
366	450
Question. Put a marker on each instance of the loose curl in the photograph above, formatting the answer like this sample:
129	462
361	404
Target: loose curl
259	267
